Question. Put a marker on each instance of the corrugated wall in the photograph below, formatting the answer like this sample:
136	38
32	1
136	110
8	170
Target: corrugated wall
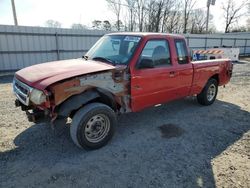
24	46
242	41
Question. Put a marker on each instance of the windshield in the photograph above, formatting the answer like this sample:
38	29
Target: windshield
117	49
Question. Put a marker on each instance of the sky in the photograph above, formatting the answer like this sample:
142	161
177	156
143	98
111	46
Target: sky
67	12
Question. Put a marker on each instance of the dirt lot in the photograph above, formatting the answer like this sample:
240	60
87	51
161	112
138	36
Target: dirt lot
180	144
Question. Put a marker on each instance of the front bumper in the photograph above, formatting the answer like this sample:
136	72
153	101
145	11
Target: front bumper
22	92
33	114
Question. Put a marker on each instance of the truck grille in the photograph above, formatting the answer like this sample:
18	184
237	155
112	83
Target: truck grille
21	91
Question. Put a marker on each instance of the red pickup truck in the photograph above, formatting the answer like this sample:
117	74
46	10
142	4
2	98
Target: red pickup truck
122	72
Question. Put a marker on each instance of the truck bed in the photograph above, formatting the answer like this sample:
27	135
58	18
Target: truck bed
204	69
210	61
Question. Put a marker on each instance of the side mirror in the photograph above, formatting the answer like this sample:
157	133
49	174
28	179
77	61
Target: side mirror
146	63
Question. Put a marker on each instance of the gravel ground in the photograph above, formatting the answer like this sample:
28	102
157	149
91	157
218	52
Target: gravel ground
180	144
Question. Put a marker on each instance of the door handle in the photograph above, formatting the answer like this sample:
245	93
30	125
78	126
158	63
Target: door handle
172	74
136	87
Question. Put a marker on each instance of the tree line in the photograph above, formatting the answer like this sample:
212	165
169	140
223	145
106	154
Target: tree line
171	16
177	16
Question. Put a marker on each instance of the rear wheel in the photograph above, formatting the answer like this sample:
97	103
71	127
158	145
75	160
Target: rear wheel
93	126
209	93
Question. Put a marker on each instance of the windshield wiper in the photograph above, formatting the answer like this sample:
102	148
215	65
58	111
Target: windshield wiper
104	59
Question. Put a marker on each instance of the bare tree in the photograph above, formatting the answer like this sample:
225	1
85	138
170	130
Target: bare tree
169	5
140	10
119	24
53	23
174	25
198	21
157	12
150	22
152	15
106	25
232	12
162	15
158	15
188	6
96	24
131	10
115	6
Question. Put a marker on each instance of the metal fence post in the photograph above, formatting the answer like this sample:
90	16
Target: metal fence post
221	41
245	47
205	43
57	47
187	40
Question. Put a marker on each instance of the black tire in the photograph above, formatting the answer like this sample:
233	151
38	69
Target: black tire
204	98
81	129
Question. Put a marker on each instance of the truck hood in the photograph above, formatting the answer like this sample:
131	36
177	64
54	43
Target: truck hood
42	75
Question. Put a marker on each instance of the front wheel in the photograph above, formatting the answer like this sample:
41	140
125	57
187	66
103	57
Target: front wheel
209	93
93	126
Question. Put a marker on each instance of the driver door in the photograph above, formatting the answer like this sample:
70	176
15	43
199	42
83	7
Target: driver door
155	85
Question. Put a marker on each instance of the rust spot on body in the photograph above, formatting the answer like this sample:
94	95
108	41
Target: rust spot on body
114	81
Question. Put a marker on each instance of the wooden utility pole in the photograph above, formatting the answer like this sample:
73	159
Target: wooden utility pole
208	6
209	2
14	12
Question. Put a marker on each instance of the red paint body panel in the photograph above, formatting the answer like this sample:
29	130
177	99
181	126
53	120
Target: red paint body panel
153	86
203	70
42	75
146	91
159	85
146	87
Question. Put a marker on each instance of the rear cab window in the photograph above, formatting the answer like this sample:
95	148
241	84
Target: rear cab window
181	50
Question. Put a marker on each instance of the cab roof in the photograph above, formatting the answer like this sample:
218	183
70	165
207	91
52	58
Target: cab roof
144	34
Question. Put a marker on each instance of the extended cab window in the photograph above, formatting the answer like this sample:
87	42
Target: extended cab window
182	54
157	52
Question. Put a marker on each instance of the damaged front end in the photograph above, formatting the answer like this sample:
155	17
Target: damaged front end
34	102
63	98
109	87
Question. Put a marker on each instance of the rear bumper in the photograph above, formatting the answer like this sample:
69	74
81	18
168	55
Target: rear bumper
230	70
230	73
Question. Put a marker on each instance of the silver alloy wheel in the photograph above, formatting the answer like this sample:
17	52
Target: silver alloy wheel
211	92
97	128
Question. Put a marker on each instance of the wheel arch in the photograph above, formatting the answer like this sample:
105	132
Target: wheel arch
73	103
216	77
